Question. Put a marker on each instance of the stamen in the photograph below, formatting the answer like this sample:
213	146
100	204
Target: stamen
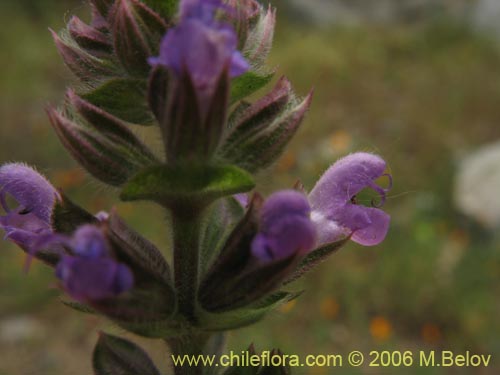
382	193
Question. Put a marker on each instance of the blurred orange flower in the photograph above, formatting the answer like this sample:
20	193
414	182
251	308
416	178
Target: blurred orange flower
380	328
329	308
431	333
340	141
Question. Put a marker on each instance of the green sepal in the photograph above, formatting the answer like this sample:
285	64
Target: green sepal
315	257
166	8
247	84
117	356
67	216
249	286
244	316
218	224
123	98
193	185
146	310
138	253
80	307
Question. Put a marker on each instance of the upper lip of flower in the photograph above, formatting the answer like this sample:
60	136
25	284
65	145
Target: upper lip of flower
36	197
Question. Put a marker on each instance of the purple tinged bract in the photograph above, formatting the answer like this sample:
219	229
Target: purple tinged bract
285	227
333	201
91	274
29	222
201	45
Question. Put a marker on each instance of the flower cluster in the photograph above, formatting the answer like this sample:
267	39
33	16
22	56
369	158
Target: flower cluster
189	71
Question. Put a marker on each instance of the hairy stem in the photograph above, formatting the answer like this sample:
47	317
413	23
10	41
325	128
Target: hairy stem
186	231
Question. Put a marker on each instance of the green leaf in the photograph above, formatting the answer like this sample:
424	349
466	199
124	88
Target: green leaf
197	185
123	98
247	84
316	257
116	356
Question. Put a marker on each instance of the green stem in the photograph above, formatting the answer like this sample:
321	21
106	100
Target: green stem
190	346
186	231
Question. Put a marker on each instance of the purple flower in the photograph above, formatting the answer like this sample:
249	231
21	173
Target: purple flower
91	274
285	227
333	201
30	222
201	45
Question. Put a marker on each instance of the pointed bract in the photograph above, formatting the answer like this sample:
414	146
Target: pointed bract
85	66
258	116
88	37
111	127
102	6
111	162
260	38
266	146
137	31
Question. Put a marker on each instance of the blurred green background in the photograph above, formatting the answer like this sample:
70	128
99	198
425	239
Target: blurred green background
421	94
